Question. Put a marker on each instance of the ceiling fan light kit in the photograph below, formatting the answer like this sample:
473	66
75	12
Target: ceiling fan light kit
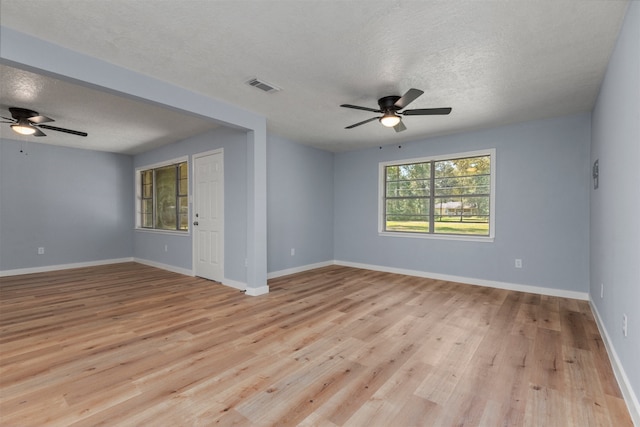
23	127
389	120
390	107
28	122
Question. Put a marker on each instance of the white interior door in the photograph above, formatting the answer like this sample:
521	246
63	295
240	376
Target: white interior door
208	215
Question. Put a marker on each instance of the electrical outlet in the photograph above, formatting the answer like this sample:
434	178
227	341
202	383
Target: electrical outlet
601	290
624	325
40	251
166	248
293	251
518	263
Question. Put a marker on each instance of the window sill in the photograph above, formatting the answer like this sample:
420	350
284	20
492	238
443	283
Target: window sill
156	231
480	239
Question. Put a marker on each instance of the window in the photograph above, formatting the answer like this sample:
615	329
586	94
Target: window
445	196
163	196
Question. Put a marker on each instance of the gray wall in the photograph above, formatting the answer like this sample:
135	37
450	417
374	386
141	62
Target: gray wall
299	205
149	245
615	205
77	204
542	207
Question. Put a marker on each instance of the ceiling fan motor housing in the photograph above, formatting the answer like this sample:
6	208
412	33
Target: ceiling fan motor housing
22	113
388	103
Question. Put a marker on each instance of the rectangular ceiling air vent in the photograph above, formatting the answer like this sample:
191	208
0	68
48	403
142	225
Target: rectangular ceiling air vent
262	85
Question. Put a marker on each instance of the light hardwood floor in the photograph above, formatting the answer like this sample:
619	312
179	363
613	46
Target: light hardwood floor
128	344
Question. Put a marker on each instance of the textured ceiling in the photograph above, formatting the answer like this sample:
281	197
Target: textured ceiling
114	123
493	62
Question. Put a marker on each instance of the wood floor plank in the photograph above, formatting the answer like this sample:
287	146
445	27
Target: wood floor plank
385	405
128	345
548	369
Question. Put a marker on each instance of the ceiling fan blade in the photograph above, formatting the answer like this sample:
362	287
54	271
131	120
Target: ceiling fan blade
10	120
427	112
38	132
363	122
357	107
408	98
73	132
40	119
399	127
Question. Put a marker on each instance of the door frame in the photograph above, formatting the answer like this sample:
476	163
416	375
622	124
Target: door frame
192	211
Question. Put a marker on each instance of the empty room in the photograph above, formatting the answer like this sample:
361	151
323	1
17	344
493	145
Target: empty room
319	213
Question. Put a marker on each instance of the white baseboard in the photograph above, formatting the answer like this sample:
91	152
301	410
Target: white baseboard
471	281
47	268
623	381
254	292
300	269
162	266
234	284
226	282
450	278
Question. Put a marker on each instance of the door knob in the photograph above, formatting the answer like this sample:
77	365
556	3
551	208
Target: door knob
195	222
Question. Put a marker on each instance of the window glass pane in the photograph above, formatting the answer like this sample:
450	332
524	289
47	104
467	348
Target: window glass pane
147	191
184	187
461	215
408	172
407	192
416	188
456	178
183	223
184	173
147	206
147	177
410	215
184	179
165	196
147	220
463	167
479	184
147	213
480	207
147	184
475	229
183	202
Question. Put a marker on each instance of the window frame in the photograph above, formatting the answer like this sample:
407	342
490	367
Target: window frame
431	235
139	196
